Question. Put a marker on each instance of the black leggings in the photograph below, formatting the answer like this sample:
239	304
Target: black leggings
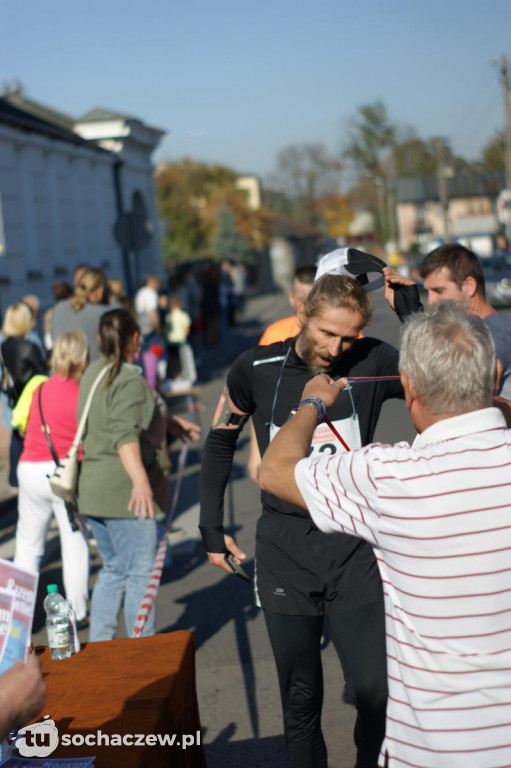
359	639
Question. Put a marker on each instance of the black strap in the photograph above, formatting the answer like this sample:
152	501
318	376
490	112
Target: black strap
46	430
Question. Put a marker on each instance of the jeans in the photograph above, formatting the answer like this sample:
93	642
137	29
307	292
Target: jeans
128	549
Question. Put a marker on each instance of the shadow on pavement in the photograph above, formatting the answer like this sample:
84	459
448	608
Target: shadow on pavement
207	610
251	753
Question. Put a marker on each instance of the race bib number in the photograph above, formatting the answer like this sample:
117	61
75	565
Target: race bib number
325	442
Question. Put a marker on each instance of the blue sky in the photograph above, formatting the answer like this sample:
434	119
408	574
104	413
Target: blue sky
233	82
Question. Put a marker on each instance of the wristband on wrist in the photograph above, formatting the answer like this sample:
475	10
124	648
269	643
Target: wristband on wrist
316	403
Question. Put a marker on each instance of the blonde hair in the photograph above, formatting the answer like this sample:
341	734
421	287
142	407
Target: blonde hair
90	281
338	292
69	353
115	287
18	320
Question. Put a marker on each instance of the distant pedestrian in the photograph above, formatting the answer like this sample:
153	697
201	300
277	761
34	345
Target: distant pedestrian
210	305
83	310
61	291
502	253
177	329
117	295
239	276
79	272
146	309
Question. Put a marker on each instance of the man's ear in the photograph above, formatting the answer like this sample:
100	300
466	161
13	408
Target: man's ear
409	388
469	287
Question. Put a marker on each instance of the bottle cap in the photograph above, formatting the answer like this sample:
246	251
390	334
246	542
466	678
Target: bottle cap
52	588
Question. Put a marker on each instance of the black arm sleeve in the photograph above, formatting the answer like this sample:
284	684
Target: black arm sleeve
216	466
217	457
406	301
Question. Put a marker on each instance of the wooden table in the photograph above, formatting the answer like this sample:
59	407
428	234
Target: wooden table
127	687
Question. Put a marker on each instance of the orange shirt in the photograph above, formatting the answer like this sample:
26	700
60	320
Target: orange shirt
280	331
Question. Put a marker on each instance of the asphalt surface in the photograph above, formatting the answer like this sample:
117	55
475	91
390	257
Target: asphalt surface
236	679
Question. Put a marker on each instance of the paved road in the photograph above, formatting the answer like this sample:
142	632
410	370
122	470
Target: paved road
236	680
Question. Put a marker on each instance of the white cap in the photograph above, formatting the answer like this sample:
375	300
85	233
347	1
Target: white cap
350	262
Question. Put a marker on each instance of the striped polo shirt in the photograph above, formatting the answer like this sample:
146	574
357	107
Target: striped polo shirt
438	514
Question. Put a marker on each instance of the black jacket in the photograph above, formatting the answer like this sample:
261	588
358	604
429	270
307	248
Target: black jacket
22	359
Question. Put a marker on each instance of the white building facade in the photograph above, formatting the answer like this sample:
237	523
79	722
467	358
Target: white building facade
69	197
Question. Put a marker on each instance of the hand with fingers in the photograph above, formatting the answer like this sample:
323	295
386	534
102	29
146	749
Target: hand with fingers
324	387
232	552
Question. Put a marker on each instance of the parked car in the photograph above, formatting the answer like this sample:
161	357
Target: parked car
497	276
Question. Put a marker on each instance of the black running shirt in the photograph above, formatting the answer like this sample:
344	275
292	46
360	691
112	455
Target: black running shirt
253	381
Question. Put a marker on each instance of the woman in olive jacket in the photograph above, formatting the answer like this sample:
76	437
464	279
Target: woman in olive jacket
125	464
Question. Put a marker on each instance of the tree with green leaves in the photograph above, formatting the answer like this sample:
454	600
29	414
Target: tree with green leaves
190	196
493	156
414	156
228	243
371	137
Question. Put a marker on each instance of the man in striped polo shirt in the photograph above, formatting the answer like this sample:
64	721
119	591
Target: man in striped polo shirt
438	516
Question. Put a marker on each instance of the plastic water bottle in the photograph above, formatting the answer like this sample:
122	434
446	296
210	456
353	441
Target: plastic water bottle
57	624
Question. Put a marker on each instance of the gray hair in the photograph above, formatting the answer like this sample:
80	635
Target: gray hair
450	358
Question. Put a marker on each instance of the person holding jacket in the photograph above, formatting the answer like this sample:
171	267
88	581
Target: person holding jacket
124	474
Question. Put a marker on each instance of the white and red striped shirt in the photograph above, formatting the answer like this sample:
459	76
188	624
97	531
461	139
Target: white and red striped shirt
439	516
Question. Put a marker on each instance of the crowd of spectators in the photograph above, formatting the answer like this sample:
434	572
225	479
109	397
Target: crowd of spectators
92	326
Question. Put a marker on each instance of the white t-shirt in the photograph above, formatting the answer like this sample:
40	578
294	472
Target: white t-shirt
146	301
438	514
179	323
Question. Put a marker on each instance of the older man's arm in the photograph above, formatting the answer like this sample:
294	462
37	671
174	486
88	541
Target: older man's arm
292	442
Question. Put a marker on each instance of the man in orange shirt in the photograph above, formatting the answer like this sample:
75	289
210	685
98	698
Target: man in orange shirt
288	326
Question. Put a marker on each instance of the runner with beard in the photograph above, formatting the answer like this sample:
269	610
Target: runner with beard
302	575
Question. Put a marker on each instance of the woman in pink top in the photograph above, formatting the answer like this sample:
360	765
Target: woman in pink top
36	502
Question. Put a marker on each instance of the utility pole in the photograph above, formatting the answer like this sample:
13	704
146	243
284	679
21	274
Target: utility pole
504	71
441	174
